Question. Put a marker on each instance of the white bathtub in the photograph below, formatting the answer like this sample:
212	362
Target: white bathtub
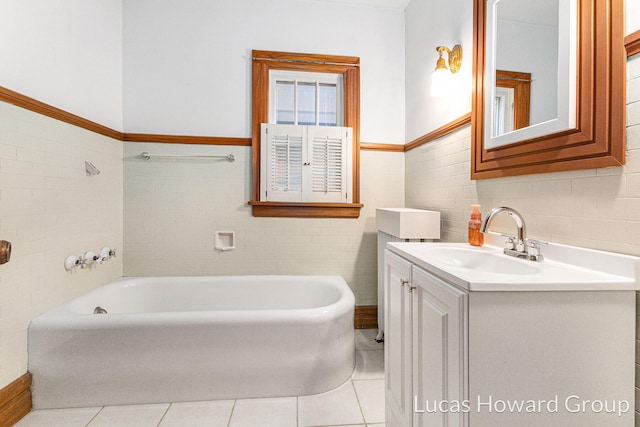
171	339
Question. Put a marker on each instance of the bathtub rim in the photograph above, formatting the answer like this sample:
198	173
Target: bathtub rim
62	317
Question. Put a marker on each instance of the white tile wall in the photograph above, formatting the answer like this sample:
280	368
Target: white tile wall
597	208
50	209
172	209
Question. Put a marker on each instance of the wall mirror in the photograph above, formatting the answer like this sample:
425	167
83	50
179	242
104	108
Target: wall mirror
573	53
539	38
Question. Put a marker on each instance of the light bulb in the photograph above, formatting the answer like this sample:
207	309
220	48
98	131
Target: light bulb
441	84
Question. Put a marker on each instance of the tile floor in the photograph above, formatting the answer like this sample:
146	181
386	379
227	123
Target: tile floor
357	403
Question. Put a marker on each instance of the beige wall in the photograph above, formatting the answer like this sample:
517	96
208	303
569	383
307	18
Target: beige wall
173	208
50	209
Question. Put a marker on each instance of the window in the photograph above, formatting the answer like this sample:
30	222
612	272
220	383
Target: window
503	111
305	163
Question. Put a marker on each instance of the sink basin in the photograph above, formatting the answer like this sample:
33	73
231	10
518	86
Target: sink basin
487	268
479	260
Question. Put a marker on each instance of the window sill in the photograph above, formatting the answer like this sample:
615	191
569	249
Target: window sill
306	210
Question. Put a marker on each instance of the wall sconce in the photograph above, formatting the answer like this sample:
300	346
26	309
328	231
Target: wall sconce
441	84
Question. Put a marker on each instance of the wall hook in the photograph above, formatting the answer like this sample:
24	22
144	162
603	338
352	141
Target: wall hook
91	169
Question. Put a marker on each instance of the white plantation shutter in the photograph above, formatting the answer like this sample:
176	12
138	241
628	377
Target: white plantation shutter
282	162
305	163
328	158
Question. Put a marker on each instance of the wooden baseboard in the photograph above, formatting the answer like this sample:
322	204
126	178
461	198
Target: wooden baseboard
15	401
366	317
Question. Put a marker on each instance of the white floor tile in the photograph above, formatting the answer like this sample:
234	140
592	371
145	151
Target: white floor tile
194	414
335	407
369	365
376	425
371	397
58	417
365	340
130	415
276	412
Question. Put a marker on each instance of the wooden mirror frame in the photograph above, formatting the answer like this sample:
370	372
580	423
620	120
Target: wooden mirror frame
599	137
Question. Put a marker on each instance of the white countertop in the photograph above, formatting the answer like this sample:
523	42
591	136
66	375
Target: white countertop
564	268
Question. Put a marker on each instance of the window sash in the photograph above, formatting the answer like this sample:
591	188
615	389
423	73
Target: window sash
287	92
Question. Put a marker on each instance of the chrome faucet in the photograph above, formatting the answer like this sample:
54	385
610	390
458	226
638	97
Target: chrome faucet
516	246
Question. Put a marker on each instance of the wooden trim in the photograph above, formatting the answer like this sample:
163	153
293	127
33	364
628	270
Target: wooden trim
305	210
366	317
445	130
632	43
304	60
370	146
348	66
235	141
31	104
15	401
186	139
599	137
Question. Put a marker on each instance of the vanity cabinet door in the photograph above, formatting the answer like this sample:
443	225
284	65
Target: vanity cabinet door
397	342
439	351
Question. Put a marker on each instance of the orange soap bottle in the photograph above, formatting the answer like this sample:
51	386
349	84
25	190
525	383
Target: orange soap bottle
476	238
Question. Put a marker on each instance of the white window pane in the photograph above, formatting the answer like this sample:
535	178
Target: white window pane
306	104
327	105
285	102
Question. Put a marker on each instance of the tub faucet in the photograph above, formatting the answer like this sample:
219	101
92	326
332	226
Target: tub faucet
516	246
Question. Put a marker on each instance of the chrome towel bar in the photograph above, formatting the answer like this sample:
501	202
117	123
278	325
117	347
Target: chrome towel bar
147	156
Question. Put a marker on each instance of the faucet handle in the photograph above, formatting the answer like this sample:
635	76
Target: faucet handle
510	243
536	243
513	243
533	249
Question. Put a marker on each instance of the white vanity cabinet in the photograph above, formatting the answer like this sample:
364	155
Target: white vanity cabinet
505	357
424	347
397	341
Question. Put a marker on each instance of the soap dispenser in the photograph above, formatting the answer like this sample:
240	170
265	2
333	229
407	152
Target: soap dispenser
476	238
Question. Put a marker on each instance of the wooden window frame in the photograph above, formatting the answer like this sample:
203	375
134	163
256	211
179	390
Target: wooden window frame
349	67
521	85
